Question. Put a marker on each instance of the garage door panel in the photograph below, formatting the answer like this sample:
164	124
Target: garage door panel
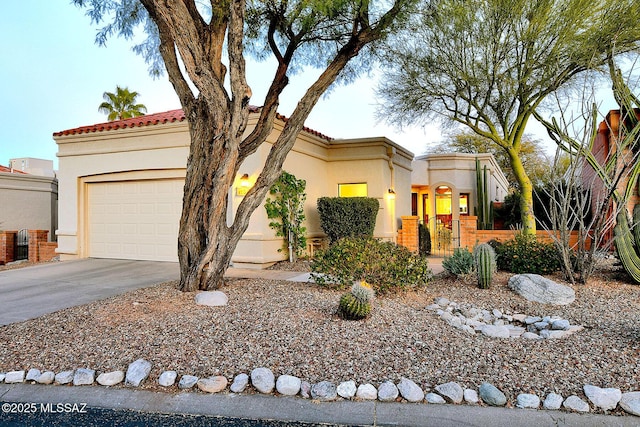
134	219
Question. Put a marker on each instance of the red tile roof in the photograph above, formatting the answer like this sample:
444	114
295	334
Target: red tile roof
9	170
155	119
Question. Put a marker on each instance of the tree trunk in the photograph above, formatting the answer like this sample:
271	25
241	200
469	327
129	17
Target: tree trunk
526	190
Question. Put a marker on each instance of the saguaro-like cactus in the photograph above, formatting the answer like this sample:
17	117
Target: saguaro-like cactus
485	259
625	244
484	205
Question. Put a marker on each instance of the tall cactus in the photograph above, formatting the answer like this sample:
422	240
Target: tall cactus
484	205
485	259
625	246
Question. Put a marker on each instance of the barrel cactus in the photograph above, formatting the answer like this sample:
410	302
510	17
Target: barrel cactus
356	304
485	259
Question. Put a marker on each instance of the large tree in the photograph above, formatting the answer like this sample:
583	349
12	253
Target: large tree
537	164
202	45
489	64
121	104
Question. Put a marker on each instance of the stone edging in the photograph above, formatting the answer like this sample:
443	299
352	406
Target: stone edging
264	381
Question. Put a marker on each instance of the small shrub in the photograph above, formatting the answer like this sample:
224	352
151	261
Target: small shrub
525	254
424	240
356	305
347	216
385	265
461	263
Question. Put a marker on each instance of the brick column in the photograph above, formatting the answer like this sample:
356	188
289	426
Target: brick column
408	236
468	231
7	246
35	237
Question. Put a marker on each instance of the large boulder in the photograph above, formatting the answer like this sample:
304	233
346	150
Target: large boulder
536	288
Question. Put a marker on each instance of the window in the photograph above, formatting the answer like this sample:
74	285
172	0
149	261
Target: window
353	190
464	204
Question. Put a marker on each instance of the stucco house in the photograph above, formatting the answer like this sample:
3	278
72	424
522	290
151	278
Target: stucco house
29	198
121	186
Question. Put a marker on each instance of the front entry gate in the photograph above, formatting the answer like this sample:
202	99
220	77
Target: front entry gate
22	245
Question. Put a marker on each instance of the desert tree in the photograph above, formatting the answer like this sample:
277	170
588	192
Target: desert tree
489	64
202	46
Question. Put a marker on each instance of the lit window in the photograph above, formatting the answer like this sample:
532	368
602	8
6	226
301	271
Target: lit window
464	204
353	190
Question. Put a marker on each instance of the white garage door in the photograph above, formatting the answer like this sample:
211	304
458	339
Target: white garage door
135	219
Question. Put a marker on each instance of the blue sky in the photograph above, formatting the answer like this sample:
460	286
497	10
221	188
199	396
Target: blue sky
53	77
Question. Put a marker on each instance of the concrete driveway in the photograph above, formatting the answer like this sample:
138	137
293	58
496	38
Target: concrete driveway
30	292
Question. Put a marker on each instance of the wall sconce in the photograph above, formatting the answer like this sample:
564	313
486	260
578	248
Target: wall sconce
244	186
391	194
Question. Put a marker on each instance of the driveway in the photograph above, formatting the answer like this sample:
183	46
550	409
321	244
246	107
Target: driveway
30	292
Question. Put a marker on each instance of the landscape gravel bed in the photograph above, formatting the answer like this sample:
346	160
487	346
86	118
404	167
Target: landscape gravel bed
293	329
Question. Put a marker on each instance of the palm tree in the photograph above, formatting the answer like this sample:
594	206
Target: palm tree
121	105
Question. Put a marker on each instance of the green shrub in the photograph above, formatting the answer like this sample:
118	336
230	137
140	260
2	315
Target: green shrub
460	263
384	265
424	239
347	216
525	254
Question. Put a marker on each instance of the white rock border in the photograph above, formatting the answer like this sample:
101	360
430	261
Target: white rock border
409	390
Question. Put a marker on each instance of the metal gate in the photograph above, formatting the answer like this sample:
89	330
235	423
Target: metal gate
22	245
445	236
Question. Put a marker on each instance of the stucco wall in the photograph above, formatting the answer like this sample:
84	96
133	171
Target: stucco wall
28	201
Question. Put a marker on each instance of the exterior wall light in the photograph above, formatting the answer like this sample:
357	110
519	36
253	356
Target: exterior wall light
391	194
244	185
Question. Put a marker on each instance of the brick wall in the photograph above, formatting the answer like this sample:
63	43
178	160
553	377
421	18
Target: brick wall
7	246
408	235
47	251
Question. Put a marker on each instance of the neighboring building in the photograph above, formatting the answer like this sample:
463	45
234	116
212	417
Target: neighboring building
121	186
30	165
28	201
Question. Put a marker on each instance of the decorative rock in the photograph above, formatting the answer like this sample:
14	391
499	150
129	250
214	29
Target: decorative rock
441	301
213	384
367	392
64	377
14	377
434	398
519	317
46	377
604	398
137	372
347	389
553	334
410	390
552	402
541	325
84	376
433	307
530	336
288	385
2	375
32	374
491	395
263	380
212	298
496	331
305	390
167	378
496	313
630	402
110	378
387	392
560	325
534	287
240	382
471	396
530	320
574	403
527	401
452	392
324	391
187	382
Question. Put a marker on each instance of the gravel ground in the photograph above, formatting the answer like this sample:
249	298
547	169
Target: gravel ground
292	328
